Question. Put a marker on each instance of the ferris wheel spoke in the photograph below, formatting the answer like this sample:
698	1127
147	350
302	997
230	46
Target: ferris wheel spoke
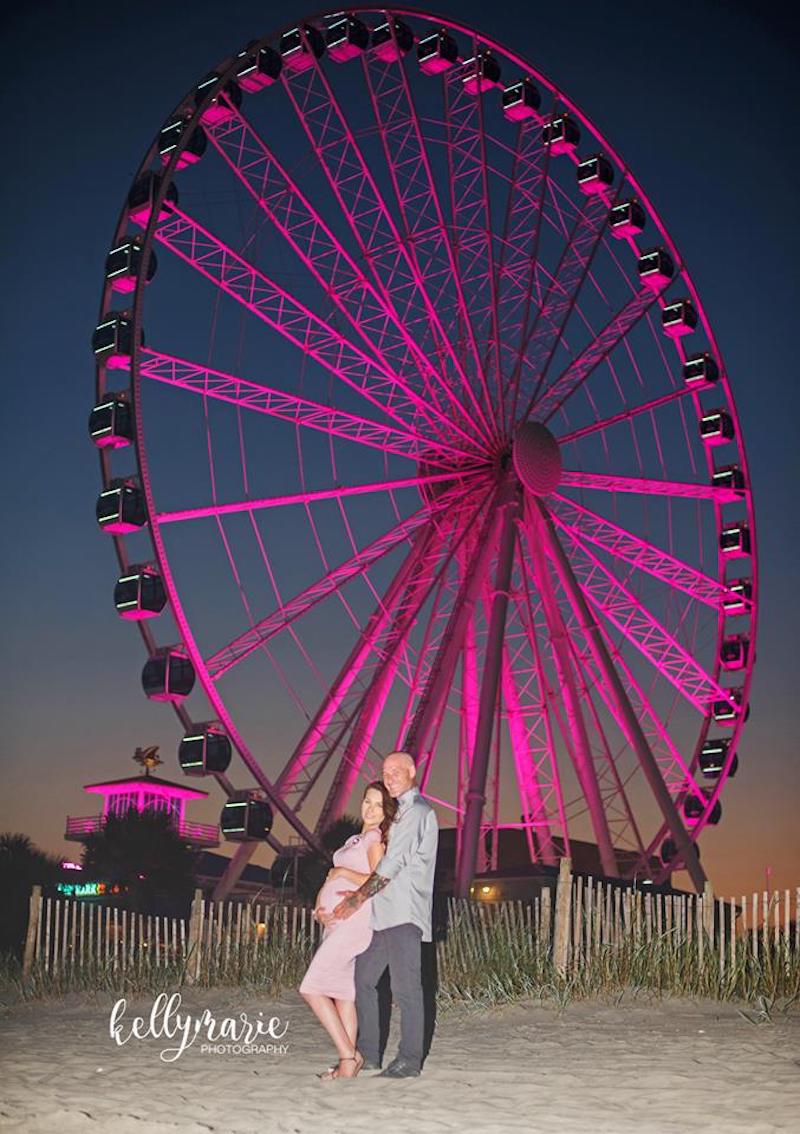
625	612
528	619
626	415
469	703
306	498
388	257
301	225
426	756
520	251
559	645
471	212
245	644
382	639
428	763
537	352
281	311
673	768
257	397
361	737
617	791
571	379
582	524
603	482
488	704
524	730
592	634
316	746
415	189
429	573
440	676
441	604
674	771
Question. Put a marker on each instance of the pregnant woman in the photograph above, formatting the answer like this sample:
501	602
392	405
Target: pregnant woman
329	984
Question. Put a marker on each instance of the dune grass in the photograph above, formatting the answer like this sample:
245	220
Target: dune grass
481	961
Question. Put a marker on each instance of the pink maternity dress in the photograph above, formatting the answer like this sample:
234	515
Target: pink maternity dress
332	967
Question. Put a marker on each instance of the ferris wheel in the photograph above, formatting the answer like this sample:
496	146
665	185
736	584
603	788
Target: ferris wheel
414	434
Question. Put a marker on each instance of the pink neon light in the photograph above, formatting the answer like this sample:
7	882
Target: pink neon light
576	374
625	415
535	708
141	787
291	318
202	834
621	607
416	193
300	411
391	370
579	522
241	647
583	756
471	212
369	314
307	497
542	340
315	738
607	483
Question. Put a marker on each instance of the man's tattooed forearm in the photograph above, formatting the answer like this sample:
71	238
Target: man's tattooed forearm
373	885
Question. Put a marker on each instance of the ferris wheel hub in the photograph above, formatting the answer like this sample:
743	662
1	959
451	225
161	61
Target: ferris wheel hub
537	458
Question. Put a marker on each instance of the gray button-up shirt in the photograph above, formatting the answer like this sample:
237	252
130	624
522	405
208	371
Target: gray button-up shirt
409	863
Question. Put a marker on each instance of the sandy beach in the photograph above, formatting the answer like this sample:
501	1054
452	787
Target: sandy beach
640	1065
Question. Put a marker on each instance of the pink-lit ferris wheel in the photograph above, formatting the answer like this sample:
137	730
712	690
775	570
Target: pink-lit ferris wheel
419	437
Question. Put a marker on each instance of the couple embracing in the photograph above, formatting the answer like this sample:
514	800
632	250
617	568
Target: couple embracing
375	907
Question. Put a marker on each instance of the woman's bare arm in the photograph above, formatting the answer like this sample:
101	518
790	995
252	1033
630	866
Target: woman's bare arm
375	853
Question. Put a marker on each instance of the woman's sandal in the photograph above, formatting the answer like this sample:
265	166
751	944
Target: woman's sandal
333	1072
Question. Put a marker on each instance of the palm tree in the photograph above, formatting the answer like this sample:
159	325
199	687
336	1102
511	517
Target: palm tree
143	851
22	865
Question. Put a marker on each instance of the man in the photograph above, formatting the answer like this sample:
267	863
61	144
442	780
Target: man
401	888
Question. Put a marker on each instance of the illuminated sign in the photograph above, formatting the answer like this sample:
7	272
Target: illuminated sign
89	889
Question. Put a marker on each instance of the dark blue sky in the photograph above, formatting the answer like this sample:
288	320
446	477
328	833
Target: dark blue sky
701	100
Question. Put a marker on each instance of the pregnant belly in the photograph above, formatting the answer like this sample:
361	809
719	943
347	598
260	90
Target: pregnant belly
330	897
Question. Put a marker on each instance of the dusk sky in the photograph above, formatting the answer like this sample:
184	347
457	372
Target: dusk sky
701	100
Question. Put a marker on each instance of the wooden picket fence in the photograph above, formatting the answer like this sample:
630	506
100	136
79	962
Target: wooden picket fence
567	932
218	939
592	915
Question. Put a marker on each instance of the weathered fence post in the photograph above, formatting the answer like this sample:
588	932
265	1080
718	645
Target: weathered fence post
195	937
563	901
708	912
545	921
34	913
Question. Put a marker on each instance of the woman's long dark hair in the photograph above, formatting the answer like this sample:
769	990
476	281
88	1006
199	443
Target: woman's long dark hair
389	807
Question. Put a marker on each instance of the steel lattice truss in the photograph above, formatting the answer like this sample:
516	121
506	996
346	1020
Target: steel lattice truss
431	455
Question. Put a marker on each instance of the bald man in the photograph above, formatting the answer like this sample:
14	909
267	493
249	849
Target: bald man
401	888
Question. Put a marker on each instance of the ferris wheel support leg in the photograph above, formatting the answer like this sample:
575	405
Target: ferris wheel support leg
235	869
476	797
441	672
584	760
405	612
606	666
530	791
315	734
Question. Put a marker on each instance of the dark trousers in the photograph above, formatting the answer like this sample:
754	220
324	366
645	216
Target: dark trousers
399	948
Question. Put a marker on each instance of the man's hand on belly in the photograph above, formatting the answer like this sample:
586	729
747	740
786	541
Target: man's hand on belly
353	901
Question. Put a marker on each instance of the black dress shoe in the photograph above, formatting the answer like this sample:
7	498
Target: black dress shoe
400	1069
